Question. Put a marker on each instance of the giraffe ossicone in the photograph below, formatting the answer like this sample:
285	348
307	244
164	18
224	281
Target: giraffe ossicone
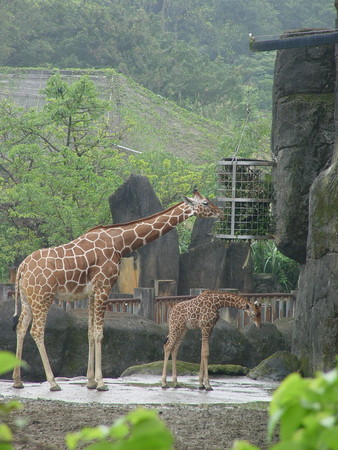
88	267
201	312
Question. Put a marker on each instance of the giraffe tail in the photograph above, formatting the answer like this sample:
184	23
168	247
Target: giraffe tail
16	313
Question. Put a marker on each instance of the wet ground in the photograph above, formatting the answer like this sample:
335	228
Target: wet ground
235	409
145	389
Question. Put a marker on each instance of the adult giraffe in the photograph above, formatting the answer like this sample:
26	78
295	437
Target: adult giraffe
88	267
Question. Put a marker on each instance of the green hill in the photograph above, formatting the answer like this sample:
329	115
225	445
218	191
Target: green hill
144	121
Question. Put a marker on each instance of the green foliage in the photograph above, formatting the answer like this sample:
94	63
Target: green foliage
57	166
140	429
7	362
267	259
244	445
172	177
306	410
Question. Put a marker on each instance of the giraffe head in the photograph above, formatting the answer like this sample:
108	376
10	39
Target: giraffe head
254	311
203	207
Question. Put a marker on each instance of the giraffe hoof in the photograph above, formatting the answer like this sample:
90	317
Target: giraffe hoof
18	385
209	388
102	388
164	386
55	388
92	385
201	387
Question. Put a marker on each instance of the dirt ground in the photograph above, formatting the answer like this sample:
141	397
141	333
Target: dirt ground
202	427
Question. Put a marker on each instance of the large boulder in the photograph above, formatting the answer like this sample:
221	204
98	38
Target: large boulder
212	263
276	367
158	260
263	342
56	339
285	326
315	337
128	340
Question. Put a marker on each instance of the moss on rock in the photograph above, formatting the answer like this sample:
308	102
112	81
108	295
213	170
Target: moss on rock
185	368
276	367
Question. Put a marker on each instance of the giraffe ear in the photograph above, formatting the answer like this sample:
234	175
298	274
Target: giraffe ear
189	200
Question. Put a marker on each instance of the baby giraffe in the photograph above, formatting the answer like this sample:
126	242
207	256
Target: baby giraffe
201	312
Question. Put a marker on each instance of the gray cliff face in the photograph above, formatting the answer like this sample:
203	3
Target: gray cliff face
302	138
307	195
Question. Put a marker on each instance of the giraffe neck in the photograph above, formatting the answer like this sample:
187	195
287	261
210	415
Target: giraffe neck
143	231
223	300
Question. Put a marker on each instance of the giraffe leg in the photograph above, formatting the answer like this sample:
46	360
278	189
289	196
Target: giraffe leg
167	352
91	384
204	375
21	330
171	347
200	377
38	332
99	311
174	367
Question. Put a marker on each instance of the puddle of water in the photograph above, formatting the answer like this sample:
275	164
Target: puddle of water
146	390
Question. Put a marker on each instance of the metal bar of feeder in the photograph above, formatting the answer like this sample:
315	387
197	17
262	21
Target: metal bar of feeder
246	237
244	200
233	203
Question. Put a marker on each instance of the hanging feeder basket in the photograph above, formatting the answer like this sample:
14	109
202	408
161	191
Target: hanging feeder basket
245	193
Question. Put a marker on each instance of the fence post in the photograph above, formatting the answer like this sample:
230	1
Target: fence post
147	296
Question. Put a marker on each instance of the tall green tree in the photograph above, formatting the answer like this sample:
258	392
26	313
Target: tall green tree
58	165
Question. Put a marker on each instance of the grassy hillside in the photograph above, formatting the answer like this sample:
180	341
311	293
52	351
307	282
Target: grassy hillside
144	121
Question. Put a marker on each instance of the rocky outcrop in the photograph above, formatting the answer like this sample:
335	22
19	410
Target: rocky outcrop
304	141
58	325
315	337
285	326
276	367
263	342
158	260
213	263
302	138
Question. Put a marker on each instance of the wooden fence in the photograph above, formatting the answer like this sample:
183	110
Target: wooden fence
274	305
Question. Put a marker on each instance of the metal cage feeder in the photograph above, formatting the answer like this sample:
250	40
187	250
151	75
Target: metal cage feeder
246	194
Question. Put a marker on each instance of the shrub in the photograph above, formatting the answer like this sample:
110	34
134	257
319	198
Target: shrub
306	410
140	429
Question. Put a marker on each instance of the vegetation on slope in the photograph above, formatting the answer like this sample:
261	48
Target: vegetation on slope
191	51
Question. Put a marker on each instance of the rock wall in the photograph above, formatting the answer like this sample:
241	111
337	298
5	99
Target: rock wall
213	263
303	140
